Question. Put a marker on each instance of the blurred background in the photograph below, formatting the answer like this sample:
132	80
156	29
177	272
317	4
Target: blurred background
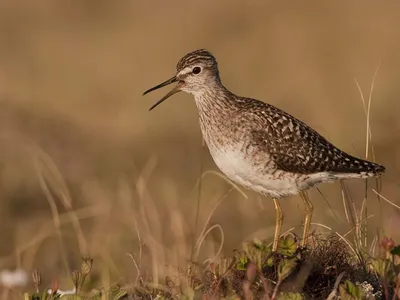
85	169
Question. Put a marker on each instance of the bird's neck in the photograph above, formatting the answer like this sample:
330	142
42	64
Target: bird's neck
214	100
217	109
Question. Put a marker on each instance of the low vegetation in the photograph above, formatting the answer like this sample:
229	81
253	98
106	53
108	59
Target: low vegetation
326	269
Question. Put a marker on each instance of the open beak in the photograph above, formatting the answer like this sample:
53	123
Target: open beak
175	90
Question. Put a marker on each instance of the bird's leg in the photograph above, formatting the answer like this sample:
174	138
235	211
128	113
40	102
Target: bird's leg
308	210
278	224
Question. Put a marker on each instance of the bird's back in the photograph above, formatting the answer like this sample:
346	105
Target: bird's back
294	146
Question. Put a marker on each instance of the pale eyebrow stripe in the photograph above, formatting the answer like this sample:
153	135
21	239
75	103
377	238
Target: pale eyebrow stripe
185	71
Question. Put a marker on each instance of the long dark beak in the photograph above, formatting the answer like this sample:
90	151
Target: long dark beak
175	90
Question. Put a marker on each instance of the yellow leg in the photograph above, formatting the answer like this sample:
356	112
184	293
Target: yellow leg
278	224
309	211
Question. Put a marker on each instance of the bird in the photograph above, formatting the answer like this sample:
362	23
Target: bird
259	146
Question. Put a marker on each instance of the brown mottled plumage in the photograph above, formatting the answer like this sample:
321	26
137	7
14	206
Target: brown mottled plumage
258	145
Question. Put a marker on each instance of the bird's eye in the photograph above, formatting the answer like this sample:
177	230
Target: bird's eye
196	70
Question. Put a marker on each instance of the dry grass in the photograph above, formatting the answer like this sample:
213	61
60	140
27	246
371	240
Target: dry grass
85	169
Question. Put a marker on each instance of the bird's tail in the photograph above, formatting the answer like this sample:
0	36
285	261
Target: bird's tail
364	168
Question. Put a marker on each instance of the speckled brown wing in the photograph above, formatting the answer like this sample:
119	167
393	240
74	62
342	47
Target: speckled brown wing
296	147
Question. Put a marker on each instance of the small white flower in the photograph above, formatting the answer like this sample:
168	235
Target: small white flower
62	293
369	290
367	287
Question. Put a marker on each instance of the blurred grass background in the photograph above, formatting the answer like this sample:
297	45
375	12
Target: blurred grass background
85	169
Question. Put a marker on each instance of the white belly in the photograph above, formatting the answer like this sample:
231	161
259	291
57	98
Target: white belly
251	175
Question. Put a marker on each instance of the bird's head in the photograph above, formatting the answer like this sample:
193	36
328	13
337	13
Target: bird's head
195	72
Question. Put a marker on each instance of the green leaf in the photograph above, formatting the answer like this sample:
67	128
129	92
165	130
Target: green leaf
114	293
286	267
269	262
44	296
240	267
382	267
349	291
258	244
35	296
120	294
290	296
242	262
396	250
287	246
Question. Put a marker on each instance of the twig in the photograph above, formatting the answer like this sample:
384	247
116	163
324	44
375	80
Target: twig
387	200
276	289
